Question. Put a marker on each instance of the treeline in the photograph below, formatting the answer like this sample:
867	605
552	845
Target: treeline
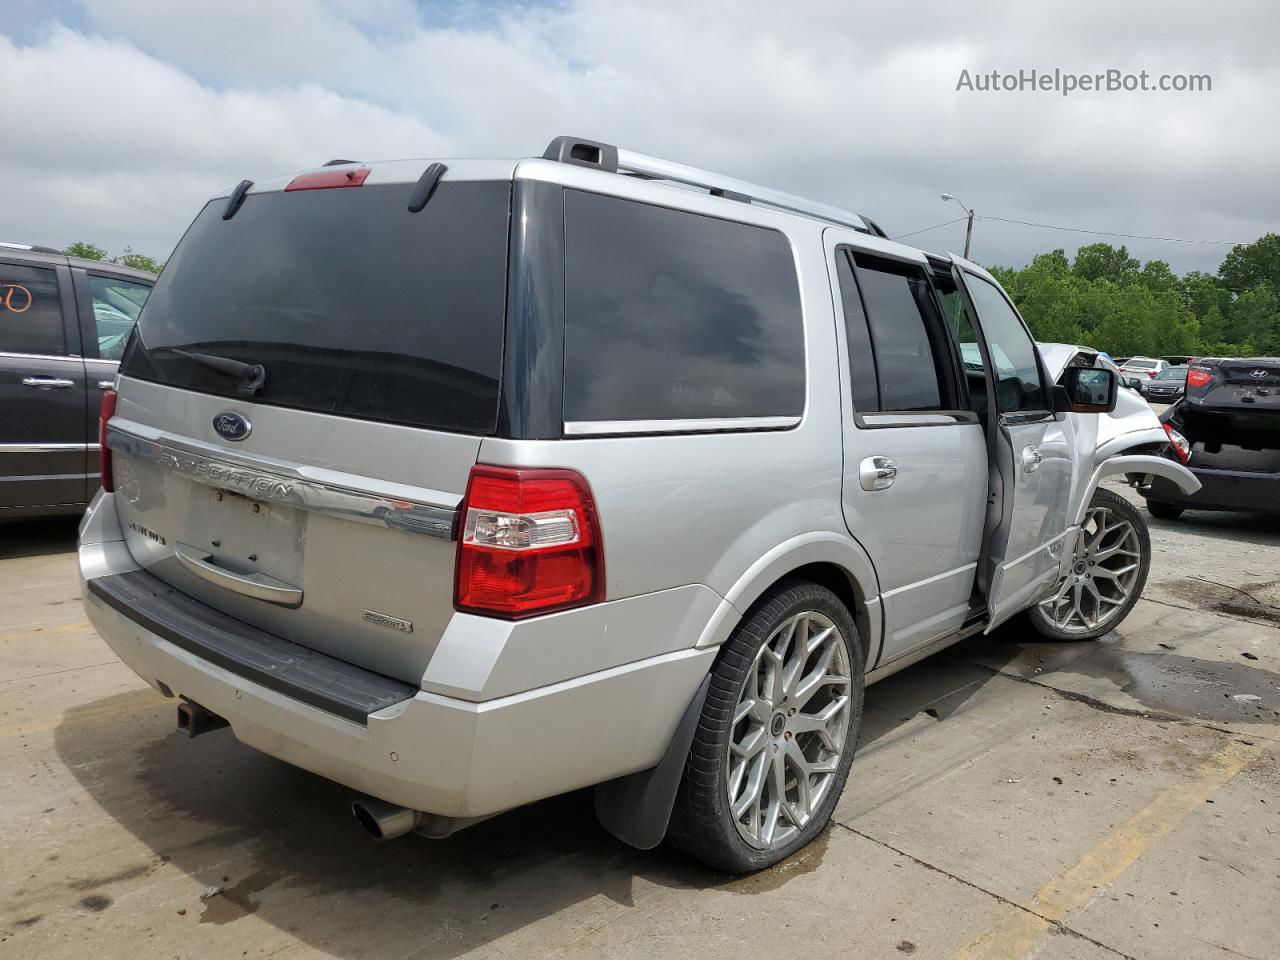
130	258
1105	298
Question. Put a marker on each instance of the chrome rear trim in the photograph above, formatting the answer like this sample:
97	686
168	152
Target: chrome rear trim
277	484
44	447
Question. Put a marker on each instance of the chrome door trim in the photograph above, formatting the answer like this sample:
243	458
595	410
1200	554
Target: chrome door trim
71	358
597	428
358	499
44	447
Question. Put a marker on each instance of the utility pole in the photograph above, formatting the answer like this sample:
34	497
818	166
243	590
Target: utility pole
968	230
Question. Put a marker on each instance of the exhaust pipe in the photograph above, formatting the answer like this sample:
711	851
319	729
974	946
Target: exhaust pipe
382	820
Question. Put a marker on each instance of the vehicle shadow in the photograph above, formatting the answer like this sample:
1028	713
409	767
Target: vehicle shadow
37	537
280	843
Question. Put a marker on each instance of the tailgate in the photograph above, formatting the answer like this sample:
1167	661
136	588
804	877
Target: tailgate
296	507
1245	386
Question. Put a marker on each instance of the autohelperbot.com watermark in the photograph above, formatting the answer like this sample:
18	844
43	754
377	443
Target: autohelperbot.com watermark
1065	82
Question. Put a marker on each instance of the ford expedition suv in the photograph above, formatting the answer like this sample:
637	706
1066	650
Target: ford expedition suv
468	483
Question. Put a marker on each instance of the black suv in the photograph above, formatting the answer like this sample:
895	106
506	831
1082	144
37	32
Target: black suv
1227	431
63	326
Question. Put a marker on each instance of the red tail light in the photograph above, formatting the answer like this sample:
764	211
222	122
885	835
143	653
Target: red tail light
105	413
328	179
1198	378
530	543
1151	373
1179	443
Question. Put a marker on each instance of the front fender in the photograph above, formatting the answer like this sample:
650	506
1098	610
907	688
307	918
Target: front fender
1176	473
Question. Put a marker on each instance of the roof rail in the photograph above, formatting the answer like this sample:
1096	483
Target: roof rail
33	247
591	153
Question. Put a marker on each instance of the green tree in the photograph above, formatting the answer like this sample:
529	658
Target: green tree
1101	261
1157	277
1250	264
86	250
139	261
1254	319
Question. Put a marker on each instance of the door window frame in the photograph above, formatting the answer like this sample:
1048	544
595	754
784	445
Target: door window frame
71	340
87	322
951	382
961	272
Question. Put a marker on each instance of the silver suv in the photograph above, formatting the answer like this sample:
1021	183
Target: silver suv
468	483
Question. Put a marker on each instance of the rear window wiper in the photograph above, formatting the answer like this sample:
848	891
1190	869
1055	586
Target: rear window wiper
253	376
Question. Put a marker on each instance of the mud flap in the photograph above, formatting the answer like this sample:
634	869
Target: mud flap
637	808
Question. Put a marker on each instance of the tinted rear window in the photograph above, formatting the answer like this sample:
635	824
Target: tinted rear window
354	306
674	316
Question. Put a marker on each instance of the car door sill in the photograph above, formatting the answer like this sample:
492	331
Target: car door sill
915	656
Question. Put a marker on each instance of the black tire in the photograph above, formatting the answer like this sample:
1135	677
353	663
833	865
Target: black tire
1036	617
1163	511
702	822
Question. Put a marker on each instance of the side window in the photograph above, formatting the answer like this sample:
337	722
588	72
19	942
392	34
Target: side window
675	316
30	311
865	388
958	321
116	305
1013	353
900	308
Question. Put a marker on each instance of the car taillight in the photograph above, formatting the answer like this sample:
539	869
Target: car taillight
530	543
105	413
1151	373
329	179
1179	444
1198	378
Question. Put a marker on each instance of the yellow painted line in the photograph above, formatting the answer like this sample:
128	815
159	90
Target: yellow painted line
1114	854
79	718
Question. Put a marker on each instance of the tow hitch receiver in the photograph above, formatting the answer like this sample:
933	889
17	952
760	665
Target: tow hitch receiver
194	719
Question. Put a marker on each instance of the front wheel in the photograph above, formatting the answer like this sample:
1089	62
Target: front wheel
777	734
1108	571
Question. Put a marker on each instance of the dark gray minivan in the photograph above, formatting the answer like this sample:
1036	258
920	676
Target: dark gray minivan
64	322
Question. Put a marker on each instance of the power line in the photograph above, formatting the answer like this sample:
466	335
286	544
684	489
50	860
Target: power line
1050	226
902	236
1105	233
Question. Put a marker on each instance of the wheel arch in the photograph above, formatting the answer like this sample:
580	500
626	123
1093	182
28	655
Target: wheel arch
838	563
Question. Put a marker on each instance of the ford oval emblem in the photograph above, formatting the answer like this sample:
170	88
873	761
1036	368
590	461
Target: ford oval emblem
231	426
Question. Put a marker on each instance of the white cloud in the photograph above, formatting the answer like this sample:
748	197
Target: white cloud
160	104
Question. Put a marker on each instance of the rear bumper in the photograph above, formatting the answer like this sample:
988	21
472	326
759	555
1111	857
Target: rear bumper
428	751
1221	490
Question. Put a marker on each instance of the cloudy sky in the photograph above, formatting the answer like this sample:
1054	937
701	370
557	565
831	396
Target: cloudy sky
120	117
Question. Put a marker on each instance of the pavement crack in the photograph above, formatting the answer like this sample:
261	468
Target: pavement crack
1062	927
1103	707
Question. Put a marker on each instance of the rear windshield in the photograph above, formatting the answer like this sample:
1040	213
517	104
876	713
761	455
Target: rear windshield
1172	373
1144	364
353	305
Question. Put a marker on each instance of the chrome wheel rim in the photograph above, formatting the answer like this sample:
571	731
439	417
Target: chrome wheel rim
1103	574
789	730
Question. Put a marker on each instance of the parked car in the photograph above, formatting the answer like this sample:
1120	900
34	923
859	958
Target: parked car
1166	386
63	323
698	466
1136	369
1227	431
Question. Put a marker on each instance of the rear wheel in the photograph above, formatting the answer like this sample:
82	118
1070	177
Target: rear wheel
777	734
1163	511
1108	571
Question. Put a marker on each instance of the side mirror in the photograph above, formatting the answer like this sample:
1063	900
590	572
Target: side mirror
1086	390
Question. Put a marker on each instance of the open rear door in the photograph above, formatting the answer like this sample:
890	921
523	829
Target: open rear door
1028	524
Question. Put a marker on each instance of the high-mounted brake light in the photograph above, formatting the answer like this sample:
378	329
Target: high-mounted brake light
1198	378
530	543
105	413
329	179
1179	443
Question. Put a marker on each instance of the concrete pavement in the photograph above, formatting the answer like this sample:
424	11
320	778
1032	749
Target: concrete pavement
1010	798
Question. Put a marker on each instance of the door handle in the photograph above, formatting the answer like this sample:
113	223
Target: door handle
256	585
1031	459
877	473
48	383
